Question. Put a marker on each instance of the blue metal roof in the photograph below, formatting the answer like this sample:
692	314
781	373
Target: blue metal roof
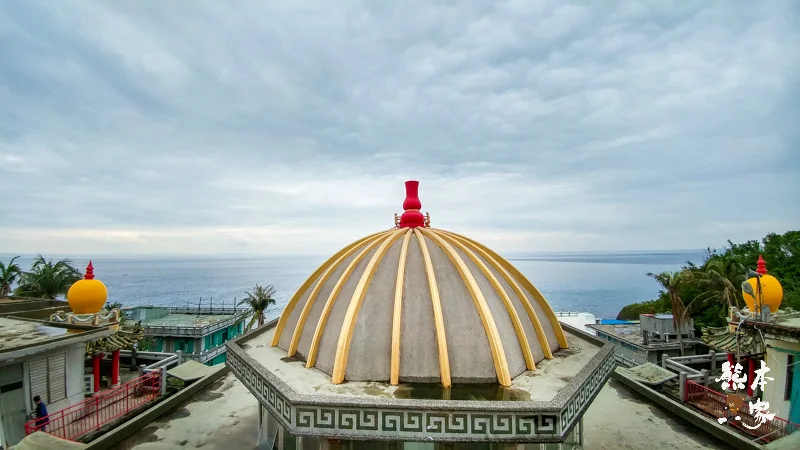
614	322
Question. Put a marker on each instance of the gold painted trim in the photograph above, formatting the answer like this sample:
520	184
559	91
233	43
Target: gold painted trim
397	315
556	325
312	297
523	298
489	325
287	311
350	317
323	318
438	318
530	364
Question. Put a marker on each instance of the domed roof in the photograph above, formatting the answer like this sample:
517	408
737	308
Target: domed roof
418	304
87	296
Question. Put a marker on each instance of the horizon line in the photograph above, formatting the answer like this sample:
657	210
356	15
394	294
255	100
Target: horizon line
276	255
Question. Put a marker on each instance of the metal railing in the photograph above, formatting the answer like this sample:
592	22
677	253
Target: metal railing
93	413
713	403
568	314
189	329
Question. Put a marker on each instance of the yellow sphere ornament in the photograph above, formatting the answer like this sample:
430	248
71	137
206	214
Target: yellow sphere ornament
87	296
770	291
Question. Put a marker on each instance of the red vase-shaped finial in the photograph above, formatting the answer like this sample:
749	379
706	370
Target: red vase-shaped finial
762	266
412	217
89	271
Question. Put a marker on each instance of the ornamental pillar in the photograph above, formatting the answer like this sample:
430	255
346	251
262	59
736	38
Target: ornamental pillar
115	368
96	371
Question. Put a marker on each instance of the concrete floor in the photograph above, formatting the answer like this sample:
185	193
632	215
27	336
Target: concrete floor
226	417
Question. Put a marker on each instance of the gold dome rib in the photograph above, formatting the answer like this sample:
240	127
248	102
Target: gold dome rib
312	297
299	294
397	315
512	312
349	324
562	339
438	318
489	325
323	318
534	318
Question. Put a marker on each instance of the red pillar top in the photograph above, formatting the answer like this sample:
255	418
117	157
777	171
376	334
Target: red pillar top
412	217
762	266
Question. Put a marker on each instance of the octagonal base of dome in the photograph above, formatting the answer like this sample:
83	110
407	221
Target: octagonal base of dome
542	405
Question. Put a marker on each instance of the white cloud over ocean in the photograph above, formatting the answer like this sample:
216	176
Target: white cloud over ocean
289	127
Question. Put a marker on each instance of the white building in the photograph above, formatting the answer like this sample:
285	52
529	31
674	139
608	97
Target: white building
44	359
578	320
782	339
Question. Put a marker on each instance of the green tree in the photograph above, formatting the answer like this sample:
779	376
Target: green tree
258	301
8	275
721	279
672	282
715	285
112	305
47	279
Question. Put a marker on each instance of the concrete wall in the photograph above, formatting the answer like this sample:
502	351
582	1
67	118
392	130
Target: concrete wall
37	314
12	307
774	390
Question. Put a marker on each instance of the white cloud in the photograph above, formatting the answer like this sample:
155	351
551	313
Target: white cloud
267	127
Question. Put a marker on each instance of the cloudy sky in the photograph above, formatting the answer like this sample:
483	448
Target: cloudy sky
274	127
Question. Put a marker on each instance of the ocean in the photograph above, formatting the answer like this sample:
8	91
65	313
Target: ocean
600	283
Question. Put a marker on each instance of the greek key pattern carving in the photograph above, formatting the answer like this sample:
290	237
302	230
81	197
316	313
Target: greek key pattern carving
370	421
425	423
580	400
268	395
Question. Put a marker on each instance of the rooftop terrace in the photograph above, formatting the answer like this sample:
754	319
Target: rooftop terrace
24	336
225	416
632	333
183	321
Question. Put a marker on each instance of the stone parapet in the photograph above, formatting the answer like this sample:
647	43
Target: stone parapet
377	418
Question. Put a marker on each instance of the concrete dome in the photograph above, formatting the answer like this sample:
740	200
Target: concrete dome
418	304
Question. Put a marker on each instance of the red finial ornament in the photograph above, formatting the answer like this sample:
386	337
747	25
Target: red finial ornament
762	266
89	272
412	217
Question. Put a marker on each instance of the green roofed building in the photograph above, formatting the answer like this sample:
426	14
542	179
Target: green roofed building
199	333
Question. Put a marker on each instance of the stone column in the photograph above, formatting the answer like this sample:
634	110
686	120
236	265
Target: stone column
115	368
96	371
713	356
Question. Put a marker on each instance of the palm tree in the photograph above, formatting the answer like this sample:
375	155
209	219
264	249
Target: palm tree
47	279
258	301
8	275
721	279
672	283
